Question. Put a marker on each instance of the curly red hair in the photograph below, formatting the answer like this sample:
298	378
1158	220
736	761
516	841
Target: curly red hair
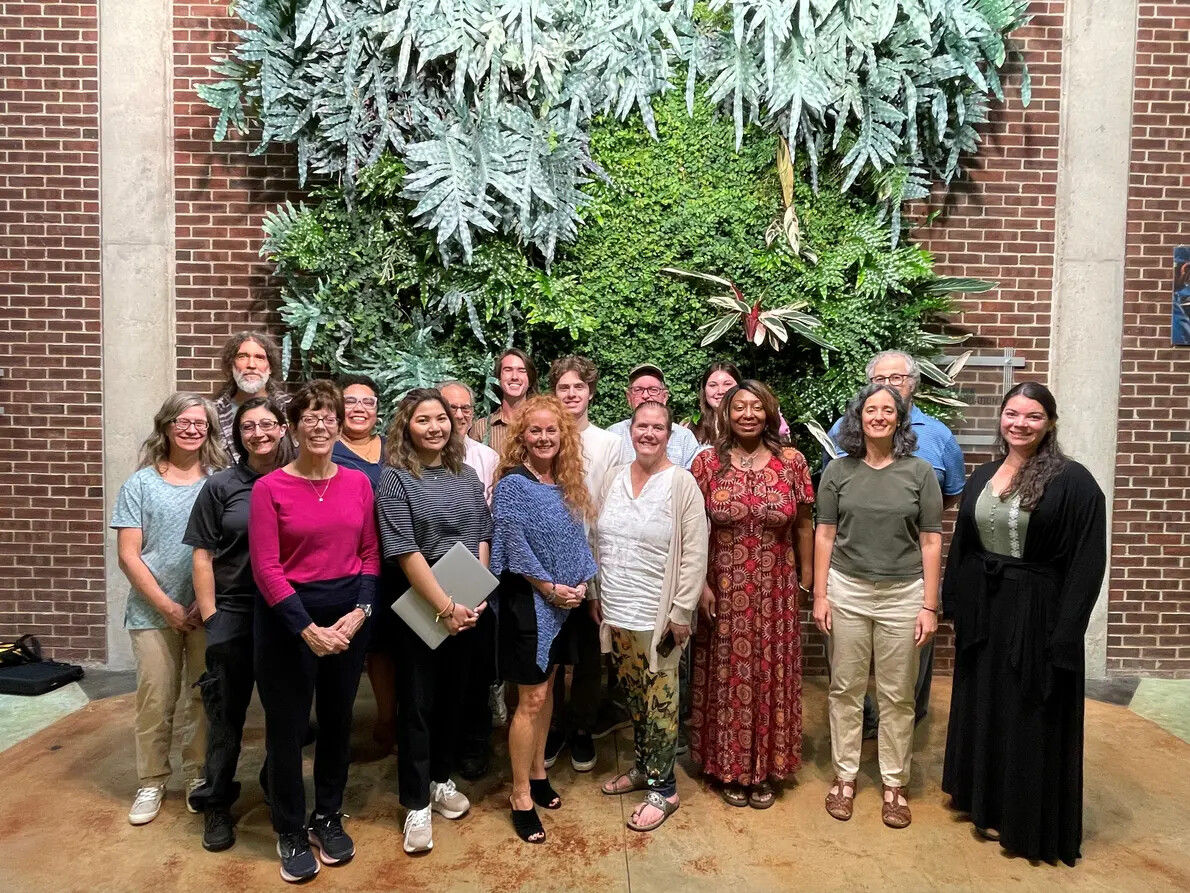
567	469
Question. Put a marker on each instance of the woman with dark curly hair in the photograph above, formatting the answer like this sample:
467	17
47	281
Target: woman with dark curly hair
427	501
878	559
1025	566
540	551
746	717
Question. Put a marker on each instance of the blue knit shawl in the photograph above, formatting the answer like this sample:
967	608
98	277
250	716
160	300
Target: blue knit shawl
535	535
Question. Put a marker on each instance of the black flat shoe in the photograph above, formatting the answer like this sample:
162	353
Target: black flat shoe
543	793
527	824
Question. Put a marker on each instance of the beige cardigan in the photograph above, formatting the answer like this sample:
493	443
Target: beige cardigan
685	565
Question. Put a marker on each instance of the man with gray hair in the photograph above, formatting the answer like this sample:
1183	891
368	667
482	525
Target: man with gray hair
937	445
461	400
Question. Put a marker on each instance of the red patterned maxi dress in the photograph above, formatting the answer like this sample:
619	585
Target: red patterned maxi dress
746	723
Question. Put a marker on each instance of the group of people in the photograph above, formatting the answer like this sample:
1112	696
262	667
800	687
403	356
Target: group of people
266	537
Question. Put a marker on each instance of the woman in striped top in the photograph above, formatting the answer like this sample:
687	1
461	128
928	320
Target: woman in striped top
427	501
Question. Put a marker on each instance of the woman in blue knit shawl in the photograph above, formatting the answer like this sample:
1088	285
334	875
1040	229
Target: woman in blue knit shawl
540	552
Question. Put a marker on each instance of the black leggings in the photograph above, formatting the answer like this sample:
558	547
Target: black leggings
289	677
430	688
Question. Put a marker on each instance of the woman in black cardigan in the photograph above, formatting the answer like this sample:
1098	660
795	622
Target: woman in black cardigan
1023	574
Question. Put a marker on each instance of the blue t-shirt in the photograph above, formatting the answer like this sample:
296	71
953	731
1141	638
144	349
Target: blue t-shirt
935	443
161	510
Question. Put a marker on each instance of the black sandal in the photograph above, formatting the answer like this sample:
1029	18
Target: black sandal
543	793
526	823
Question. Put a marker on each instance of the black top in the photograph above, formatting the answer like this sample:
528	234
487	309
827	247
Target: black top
219	523
429	515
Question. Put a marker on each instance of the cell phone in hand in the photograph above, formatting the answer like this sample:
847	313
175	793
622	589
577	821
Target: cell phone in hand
666	646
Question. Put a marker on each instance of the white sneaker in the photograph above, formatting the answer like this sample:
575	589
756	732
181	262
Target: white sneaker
419	836
147	804
191	786
447	800
498	706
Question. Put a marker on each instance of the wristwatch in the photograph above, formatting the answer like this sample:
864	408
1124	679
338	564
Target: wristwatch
367	609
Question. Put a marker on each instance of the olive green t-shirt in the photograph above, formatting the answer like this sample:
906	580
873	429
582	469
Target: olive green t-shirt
879	514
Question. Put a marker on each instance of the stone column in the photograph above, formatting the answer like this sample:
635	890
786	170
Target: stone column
137	249
1098	53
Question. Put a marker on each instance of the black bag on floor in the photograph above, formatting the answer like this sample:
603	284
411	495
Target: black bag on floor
23	671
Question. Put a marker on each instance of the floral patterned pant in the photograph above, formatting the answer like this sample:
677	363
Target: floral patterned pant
652	700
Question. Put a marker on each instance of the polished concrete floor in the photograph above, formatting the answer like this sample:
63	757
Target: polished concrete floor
64	794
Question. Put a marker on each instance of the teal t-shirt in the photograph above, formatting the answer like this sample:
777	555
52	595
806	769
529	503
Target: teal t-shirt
161	510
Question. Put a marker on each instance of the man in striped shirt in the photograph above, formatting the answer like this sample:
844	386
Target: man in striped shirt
517	378
248	361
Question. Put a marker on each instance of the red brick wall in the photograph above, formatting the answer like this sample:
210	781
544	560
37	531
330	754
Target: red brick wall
222	194
51	447
997	223
1149	608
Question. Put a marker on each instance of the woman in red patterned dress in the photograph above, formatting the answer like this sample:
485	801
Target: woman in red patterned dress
746	725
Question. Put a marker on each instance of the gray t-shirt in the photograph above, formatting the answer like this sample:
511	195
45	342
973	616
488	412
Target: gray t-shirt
161	510
879	514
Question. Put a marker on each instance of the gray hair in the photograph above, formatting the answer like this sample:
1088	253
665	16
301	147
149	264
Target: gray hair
911	367
851	427
451	382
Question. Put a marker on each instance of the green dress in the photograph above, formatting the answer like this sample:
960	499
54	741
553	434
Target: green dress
1002	523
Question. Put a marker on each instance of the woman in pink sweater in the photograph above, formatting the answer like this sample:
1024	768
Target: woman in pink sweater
315	558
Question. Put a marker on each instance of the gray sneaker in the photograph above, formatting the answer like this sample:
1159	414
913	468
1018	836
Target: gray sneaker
147	804
447	800
419	836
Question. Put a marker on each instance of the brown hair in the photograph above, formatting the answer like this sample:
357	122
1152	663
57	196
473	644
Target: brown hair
228	358
1047	462
568	463
704	429
587	371
321	393
399	450
530	369
154	452
771	435
285	452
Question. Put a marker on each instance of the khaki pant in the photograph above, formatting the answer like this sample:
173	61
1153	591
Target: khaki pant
873	619
168	663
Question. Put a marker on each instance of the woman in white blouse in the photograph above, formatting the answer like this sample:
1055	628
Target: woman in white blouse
651	548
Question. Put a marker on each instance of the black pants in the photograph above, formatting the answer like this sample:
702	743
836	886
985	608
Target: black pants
580	648
289	677
226	693
477	712
429	720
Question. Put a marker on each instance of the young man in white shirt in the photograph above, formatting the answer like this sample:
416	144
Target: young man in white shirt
647	382
573	381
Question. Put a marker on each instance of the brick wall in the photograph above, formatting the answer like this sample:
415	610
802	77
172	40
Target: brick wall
51	449
1149	608
222	194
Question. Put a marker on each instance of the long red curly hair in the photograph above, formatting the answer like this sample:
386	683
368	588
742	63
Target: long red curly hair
567	470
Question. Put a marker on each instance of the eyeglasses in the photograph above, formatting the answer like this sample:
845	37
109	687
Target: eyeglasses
652	390
368	402
465	408
310	422
896	380
186	424
265	425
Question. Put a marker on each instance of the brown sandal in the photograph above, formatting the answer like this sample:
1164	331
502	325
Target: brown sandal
895	814
838	804
734	795
762	795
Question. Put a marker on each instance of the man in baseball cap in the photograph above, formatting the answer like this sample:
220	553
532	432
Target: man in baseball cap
646	383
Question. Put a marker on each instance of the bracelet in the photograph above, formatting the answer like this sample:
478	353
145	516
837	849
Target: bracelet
448	609
552	595
928	608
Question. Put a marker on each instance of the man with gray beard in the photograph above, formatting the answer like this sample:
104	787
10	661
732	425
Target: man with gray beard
247	361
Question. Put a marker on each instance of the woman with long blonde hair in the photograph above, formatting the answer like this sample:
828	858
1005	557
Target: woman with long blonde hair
540	552
161	615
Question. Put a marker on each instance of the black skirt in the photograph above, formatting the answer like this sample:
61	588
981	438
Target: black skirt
516	634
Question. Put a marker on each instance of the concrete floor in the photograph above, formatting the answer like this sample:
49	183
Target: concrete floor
66	791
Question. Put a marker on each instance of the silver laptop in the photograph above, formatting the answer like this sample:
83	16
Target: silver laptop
463	577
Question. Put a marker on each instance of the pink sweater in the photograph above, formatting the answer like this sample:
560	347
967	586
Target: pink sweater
307	553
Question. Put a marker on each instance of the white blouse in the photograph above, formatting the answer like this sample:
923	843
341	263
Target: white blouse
634	537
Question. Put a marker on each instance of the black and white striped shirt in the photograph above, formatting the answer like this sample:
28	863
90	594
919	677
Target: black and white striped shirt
431	513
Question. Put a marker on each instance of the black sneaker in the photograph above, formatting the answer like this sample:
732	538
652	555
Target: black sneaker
611	718
554	742
297	859
473	768
219	831
334	844
582	752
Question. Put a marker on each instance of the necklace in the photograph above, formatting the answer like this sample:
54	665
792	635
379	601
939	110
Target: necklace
747	460
324	489
533	471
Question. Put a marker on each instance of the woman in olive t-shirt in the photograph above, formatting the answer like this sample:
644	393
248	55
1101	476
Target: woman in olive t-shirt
878	558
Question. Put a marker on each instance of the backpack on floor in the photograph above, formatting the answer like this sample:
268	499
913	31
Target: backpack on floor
23	671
